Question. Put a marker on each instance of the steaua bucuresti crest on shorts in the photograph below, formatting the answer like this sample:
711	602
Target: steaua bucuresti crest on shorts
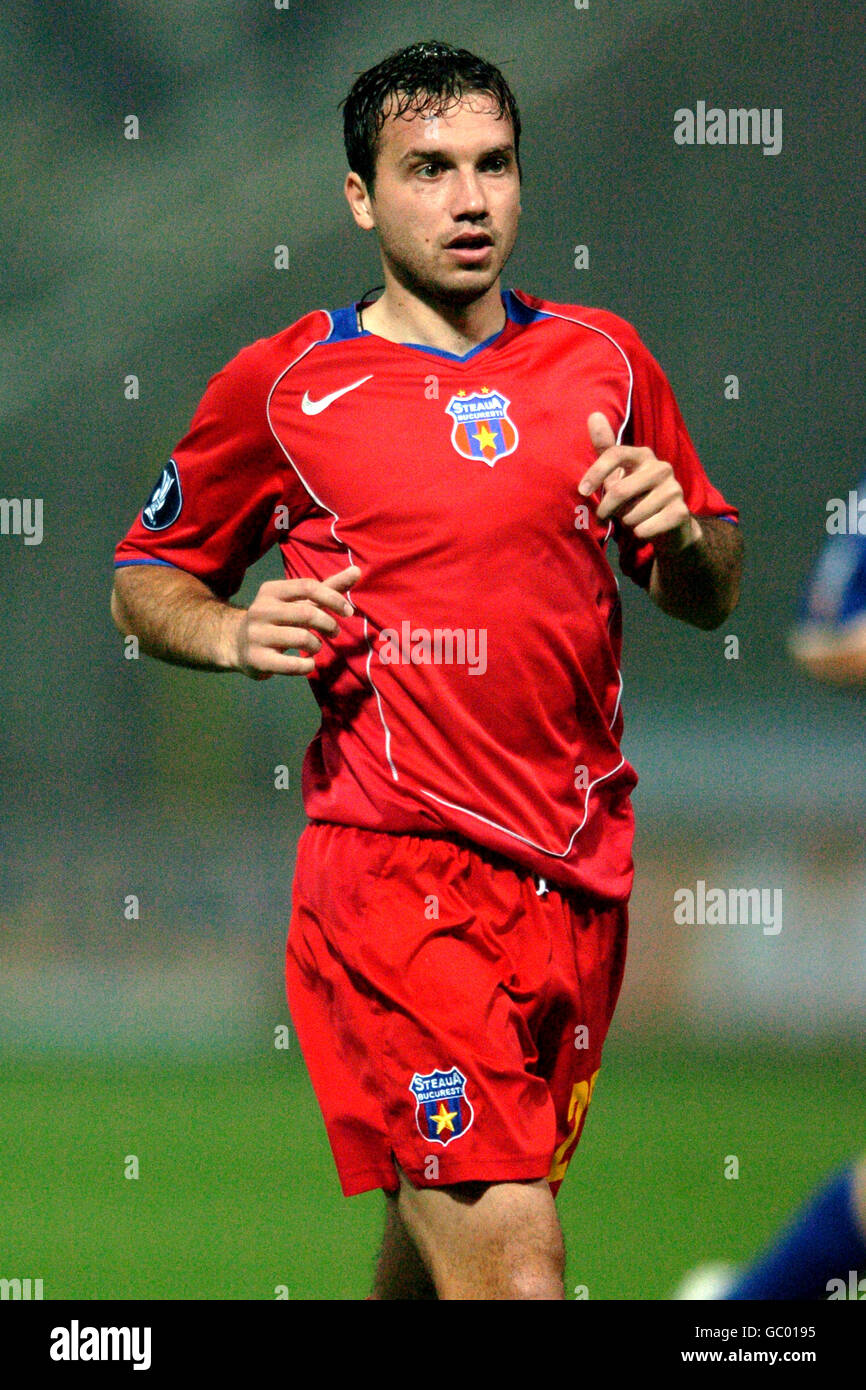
442	1109
482	427
164	504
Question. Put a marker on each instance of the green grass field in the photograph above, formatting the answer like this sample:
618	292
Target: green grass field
237	1192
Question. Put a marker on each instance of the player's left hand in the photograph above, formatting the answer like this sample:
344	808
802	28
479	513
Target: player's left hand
641	490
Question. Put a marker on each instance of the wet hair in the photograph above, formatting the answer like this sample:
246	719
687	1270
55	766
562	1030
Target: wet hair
423	77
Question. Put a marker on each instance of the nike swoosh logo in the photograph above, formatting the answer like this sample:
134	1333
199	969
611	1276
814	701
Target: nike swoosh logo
313	407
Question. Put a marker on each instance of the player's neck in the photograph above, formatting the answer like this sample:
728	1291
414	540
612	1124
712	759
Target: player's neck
402	318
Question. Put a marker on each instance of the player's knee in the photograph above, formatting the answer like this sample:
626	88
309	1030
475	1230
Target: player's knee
495	1272
533	1283
534	1272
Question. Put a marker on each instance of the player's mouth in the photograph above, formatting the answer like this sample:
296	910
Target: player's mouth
470	248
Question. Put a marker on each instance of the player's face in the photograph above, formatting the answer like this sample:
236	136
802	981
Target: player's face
446	199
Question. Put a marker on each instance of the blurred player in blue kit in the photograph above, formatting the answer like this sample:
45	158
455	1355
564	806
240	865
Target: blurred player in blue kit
821	1252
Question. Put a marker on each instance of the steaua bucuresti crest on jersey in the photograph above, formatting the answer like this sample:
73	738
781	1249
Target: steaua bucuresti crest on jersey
442	1109
164	504
482	427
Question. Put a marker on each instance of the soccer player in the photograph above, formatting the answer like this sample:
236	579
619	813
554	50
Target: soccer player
820	1253
443	469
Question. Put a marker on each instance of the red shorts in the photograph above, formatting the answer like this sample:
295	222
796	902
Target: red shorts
451	1016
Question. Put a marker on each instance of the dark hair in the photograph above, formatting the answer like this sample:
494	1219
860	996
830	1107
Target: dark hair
421	77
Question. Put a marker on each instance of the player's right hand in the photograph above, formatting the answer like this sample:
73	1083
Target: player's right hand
288	613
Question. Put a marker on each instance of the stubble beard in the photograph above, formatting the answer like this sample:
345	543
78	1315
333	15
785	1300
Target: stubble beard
424	285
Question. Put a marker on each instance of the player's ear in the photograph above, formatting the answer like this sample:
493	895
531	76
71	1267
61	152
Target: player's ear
359	201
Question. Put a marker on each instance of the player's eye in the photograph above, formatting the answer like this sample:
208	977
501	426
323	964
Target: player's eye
435	165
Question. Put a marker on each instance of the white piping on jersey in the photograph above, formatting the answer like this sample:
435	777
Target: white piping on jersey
556	854
325	508
568	319
618	699
616	708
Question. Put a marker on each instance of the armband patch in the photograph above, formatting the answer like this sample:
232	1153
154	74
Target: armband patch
164	504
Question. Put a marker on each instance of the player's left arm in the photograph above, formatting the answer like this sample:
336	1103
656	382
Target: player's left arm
829	639
697	562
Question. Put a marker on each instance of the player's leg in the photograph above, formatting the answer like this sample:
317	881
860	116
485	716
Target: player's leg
487	1240
459	1045
824	1241
400	1271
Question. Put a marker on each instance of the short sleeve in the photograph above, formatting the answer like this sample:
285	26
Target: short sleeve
227	494
655	422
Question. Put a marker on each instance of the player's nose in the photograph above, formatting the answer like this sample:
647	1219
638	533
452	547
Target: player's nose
470	199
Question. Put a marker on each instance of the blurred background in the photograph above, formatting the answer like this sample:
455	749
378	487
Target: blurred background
161	1035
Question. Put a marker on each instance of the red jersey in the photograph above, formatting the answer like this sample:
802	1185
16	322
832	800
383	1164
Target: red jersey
476	691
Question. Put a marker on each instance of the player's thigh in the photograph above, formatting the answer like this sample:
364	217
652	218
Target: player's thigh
514	1223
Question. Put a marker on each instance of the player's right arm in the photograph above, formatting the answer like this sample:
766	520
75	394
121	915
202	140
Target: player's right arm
178	619
226	495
